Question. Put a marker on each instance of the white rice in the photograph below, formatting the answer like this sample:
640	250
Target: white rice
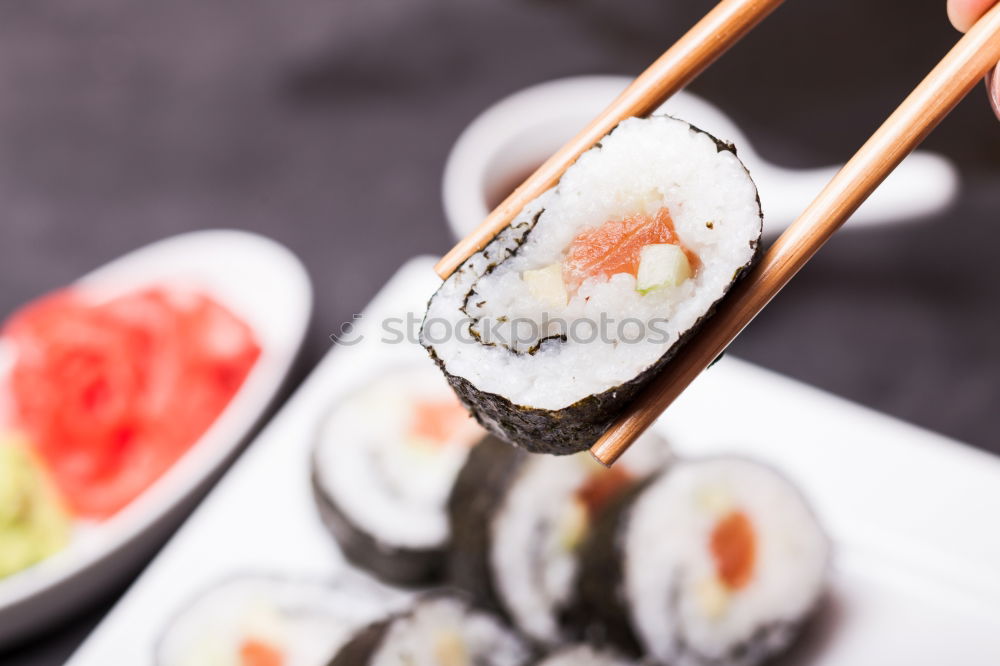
643	166
584	655
533	570
376	476
307	621
446	632
682	612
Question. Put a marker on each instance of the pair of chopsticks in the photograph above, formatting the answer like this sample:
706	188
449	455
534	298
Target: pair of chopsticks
946	85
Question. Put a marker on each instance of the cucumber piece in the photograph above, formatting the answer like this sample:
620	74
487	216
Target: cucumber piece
546	284
661	265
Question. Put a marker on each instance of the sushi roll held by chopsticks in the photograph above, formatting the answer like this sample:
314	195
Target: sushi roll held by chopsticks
554	326
534	407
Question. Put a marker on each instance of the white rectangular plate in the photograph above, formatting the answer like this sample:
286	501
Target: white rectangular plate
913	515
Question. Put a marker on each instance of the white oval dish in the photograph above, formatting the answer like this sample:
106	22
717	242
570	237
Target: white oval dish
264	284
508	140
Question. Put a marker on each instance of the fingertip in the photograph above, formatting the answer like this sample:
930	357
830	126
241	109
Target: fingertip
963	14
958	16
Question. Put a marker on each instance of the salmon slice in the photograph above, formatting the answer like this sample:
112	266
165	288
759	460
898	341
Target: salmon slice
734	547
602	487
438	420
614	247
254	652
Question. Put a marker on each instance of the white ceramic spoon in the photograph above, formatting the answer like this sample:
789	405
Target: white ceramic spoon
508	140
265	285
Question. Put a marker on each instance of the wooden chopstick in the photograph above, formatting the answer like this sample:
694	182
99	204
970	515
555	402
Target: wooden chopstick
946	85
722	27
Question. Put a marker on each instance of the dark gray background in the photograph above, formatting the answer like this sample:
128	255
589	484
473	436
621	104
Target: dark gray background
325	124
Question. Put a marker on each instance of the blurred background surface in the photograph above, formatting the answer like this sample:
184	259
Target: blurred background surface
325	125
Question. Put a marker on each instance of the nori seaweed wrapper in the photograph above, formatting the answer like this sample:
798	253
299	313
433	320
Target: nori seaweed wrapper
489	470
362	648
578	426
391	564
601	608
399	566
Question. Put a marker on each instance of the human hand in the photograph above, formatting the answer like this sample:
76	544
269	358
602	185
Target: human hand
963	14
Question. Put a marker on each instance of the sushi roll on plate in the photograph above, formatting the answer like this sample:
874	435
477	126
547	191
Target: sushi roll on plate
440	630
584	655
519	521
712	562
383	467
266	620
554	326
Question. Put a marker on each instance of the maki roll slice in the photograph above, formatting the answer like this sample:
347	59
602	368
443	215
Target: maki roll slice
440	630
584	655
384	464
554	326
519	521
713	562
255	620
